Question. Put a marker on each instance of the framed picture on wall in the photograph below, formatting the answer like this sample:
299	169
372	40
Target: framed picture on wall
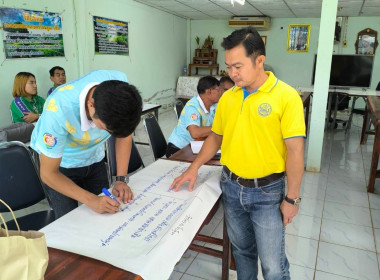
264	39
298	38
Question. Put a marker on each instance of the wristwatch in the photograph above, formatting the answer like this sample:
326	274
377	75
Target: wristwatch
124	179
294	202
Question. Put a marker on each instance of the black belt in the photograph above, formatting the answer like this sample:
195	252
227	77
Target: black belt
250	183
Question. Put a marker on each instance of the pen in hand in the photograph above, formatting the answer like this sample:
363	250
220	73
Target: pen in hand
107	193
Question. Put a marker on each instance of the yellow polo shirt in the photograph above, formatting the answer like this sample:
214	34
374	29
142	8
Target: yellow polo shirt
254	129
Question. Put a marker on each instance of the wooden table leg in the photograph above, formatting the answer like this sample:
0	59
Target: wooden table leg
375	161
189	73
364	127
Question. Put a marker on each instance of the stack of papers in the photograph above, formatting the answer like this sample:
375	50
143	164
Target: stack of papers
197	145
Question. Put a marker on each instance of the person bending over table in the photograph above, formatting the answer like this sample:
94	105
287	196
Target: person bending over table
260	127
225	83
70	139
26	105
58	77
196	117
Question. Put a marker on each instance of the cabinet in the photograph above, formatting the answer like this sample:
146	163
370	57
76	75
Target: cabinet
205	58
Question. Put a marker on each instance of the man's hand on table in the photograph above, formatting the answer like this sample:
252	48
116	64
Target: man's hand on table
122	192
190	175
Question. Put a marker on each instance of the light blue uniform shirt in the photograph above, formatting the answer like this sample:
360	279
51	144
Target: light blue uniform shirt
62	133
194	113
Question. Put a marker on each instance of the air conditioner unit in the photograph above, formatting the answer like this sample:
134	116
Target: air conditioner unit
260	23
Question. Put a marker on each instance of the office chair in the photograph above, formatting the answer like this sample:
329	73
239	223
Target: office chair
135	160
21	187
178	107
17	132
156	137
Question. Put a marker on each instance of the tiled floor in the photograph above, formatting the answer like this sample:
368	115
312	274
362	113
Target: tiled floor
335	236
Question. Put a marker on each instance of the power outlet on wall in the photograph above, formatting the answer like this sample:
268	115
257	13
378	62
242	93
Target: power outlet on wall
344	44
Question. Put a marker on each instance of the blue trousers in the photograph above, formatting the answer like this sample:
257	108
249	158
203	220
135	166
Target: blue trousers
255	228
91	178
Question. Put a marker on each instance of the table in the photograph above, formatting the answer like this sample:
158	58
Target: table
372	111
148	108
208	66
186	154
70	266
170	231
355	93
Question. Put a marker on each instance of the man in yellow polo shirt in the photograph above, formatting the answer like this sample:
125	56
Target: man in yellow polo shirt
259	125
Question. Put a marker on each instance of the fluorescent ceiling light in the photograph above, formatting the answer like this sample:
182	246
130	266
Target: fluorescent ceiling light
241	2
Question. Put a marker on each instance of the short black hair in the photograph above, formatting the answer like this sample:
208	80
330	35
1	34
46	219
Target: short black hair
52	70
226	79
118	105
206	83
249	38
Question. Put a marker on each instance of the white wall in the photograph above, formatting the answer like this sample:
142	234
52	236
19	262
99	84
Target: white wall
157	45
293	68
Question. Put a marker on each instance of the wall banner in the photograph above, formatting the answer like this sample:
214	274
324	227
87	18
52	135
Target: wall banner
29	33
111	36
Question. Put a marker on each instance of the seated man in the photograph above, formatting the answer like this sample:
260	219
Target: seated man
58	77
197	116
225	84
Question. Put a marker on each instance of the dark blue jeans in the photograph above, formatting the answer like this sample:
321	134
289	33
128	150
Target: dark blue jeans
254	226
91	178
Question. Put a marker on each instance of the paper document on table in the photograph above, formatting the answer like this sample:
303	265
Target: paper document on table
197	145
158	222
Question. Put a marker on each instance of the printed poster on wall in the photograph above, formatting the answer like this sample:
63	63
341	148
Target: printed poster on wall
29	33
111	36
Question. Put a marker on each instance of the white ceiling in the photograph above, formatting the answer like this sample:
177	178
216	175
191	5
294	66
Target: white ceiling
223	9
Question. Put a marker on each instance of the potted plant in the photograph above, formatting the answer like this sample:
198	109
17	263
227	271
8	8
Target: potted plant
197	40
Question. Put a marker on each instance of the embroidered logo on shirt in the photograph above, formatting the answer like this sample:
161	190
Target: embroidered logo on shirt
264	109
194	117
49	140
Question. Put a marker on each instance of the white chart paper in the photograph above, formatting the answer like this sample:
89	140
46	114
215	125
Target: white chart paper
150	234
196	147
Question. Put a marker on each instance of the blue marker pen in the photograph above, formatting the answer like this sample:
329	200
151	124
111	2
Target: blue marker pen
107	193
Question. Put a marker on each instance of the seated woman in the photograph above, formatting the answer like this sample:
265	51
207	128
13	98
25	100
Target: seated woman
27	105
